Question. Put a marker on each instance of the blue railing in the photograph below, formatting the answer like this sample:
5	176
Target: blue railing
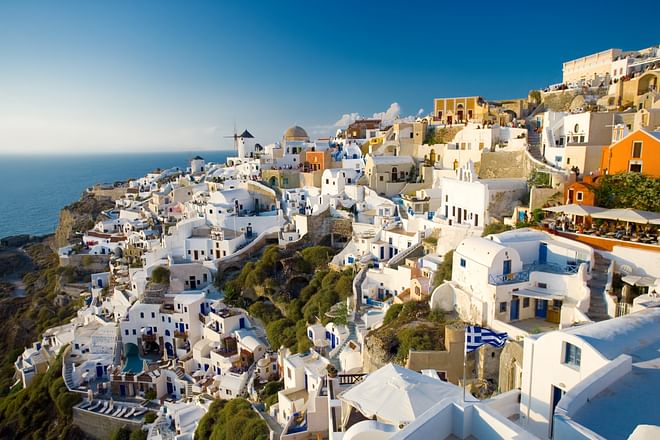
509	278
519	277
373	302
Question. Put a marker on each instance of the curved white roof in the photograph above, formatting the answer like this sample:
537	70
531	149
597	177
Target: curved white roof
479	249
626	334
227	196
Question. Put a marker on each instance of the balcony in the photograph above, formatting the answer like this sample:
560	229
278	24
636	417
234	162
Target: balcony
509	278
180	335
523	276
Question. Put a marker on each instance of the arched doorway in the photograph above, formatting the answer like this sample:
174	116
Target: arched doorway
432	157
169	349
395	174
272	181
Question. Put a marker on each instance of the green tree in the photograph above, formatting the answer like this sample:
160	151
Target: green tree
444	269
628	190
160	275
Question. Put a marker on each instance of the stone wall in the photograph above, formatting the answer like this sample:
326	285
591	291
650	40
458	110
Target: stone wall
502	164
511	355
99	426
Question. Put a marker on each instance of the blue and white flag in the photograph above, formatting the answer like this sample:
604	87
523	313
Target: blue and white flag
476	336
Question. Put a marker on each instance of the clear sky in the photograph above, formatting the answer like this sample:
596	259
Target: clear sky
163	75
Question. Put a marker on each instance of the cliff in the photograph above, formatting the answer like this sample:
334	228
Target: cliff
80	216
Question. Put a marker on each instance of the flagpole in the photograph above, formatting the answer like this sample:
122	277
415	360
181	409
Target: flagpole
464	361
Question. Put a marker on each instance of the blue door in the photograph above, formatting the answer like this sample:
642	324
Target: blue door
506	267
543	253
99	371
169	349
170	390
241	323
515	309
382	253
122	389
541	308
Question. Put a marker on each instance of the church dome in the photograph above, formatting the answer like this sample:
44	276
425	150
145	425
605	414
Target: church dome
296	133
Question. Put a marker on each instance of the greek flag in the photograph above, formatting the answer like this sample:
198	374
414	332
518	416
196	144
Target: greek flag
476	336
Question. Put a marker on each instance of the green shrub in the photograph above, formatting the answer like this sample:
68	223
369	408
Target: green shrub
150	417
161	275
444	270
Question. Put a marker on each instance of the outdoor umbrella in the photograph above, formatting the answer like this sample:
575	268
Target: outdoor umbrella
629	215
397	395
572	209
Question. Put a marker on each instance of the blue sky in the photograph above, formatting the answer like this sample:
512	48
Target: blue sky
147	75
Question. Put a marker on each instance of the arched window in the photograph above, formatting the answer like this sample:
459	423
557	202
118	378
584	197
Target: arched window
395	173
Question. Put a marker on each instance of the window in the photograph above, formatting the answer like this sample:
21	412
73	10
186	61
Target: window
525	302
637	150
288	372
568	161
502	307
141	314
134	332
579	196
126	332
542	285
153	314
635	166
463	262
572	355
581	139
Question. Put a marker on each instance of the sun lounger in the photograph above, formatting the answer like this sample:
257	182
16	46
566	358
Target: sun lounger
94	405
85	404
116	413
109	410
129	413
103	407
122	412
140	411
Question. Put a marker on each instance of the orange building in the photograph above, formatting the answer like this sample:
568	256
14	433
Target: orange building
581	193
317	160
639	152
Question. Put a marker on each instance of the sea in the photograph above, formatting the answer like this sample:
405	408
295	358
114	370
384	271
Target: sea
34	188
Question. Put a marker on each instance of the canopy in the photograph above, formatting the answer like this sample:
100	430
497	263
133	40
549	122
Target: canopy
572	209
641	281
629	215
397	395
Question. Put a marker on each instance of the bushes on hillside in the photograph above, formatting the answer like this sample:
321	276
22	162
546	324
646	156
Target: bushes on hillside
231	420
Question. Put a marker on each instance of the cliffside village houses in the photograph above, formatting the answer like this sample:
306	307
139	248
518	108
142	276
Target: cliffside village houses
395	197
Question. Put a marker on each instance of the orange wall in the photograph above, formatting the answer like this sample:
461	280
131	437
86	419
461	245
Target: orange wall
316	158
588	196
616	157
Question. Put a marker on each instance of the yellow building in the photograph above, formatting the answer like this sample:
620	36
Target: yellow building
460	110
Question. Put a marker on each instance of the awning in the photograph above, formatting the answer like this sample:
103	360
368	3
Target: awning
642	281
538	293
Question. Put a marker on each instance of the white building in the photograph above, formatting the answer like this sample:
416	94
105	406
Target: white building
593	381
504	280
473	202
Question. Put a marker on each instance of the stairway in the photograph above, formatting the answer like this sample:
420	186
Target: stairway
597	306
68	375
534	143
352	336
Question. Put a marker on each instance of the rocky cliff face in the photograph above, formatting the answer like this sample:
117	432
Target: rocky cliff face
79	216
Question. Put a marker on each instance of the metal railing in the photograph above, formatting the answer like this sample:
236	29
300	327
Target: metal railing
523	276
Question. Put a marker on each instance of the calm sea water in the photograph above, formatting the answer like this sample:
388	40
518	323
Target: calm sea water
34	188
